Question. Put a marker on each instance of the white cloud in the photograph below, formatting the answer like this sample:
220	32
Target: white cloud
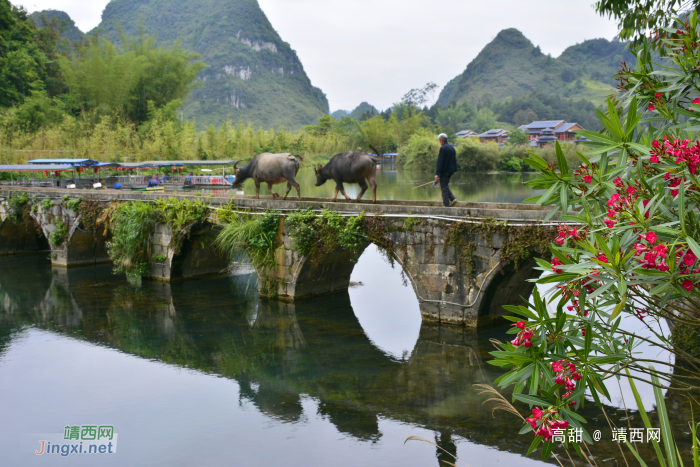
376	50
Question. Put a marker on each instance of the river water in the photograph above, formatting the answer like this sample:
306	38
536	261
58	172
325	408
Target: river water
205	373
399	184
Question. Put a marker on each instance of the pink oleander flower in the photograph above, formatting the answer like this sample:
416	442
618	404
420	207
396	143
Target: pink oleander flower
556	262
587	179
651	108
687	285
649	237
689	258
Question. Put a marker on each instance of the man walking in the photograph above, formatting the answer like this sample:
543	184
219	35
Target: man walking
446	166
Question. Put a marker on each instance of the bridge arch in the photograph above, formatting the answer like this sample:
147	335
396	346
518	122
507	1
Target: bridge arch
507	286
463	281
192	256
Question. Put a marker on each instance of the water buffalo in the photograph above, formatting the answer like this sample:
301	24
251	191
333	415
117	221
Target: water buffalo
271	169
350	167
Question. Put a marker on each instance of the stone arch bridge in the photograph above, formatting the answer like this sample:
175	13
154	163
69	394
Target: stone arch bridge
460	275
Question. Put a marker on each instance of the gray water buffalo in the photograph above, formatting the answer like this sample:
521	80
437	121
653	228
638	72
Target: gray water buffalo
350	167
271	169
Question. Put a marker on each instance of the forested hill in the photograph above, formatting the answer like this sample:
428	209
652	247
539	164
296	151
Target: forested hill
511	66
252	74
69	30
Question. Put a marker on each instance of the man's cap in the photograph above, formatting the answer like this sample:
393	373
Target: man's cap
442	136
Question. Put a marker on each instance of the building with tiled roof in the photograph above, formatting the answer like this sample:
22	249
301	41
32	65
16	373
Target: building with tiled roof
562	130
497	135
467	134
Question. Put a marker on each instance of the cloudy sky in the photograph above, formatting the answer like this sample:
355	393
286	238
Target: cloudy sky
376	50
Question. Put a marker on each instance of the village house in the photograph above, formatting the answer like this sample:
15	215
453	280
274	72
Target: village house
562	130
499	136
467	134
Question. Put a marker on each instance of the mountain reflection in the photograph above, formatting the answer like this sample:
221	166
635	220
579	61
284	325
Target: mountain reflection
277	351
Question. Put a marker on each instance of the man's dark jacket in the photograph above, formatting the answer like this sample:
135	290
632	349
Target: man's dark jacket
447	160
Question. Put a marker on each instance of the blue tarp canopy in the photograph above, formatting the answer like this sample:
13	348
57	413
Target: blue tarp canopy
35	168
177	163
81	162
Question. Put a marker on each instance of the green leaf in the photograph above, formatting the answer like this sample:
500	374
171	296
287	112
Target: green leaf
693	246
662	413
607	359
547	450
564	197
531	400
681	205
535	442
619	307
561	160
635	454
548	194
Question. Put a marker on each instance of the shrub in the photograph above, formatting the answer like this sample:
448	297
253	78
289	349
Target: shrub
132	225
59	235
512	164
420	153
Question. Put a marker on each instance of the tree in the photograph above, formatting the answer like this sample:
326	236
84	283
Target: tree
484	119
419	97
168	74
111	82
518	137
524	117
452	118
637	18
26	57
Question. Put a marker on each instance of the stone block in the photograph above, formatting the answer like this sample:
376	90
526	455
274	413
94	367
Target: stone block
483	252
448	257
498	240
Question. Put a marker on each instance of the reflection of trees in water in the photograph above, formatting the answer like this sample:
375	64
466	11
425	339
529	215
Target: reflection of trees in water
279	351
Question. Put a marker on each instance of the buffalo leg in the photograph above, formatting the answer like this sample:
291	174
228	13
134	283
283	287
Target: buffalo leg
293	183
335	195
289	188
257	189
373	184
363	185
269	190
341	188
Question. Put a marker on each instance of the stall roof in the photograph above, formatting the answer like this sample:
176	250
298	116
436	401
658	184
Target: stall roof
64	161
35	168
178	163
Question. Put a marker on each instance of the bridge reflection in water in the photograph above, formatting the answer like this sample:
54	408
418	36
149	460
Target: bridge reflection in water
281	355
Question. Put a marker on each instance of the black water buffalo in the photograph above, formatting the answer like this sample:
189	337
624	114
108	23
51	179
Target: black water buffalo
350	167
271	169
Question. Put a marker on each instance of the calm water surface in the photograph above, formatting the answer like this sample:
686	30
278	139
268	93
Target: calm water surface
205	373
399	184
